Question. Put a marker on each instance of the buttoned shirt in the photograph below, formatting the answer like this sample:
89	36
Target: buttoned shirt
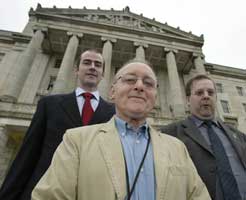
134	143
80	99
236	165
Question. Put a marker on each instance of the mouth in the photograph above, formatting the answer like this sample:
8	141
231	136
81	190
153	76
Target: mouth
206	106
137	98
91	75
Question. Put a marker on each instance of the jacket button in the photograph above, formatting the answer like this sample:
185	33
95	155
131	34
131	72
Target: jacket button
213	169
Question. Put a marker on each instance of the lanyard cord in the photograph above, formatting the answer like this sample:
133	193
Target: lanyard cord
130	190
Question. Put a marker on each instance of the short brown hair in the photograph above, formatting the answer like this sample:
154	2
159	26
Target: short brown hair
195	78
91	50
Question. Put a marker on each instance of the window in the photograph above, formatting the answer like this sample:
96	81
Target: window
58	63
244	107
225	106
219	88
239	91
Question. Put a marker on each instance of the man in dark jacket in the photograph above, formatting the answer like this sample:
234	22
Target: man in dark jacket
53	116
224	173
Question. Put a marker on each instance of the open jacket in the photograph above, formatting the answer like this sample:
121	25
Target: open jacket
201	153
53	116
89	165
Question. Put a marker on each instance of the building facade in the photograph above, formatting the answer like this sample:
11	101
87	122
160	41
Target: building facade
40	61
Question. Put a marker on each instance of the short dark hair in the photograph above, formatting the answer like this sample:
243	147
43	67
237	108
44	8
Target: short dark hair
91	50
196	78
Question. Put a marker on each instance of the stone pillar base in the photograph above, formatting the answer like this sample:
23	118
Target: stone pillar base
7	150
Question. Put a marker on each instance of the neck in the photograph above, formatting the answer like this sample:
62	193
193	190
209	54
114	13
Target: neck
134	122
204	118
88	89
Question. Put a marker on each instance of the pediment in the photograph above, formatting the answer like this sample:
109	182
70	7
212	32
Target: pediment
123	18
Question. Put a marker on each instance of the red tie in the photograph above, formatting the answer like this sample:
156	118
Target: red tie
87	110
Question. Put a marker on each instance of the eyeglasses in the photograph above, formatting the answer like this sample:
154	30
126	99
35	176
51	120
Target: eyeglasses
131	79
200	93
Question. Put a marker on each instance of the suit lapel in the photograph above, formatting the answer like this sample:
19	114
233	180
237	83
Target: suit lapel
103	112
99	113
193	132
69	105
160	163
110	146
235	141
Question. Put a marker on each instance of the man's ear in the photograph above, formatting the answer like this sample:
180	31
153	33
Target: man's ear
112	92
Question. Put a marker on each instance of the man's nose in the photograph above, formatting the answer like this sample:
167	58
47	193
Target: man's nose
206	94
92	65
139	84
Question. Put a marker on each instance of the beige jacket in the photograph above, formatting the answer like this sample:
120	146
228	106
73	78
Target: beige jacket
89	165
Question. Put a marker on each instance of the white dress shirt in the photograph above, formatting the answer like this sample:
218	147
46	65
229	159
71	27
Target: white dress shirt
80	99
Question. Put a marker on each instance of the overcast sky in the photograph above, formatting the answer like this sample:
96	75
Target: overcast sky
222	22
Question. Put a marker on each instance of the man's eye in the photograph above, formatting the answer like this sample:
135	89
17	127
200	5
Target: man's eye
149	83
86	62
199	93
211	93
98	64
130	80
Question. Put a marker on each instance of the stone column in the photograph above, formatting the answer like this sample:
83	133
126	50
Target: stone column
16	77
199	63
177	102
107	55
4	156
66	69
34	78
6	65
140	50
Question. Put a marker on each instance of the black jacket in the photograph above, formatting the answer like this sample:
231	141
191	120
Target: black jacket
53	116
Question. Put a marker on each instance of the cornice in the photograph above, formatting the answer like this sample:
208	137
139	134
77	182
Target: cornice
11	37
226	71
86	17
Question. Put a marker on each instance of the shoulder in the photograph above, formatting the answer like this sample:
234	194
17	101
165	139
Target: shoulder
56	97
240	134
171	128
108	107
103	101
86	133
167	139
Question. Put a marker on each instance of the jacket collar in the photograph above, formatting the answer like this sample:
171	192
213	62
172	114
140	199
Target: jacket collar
69	104
191	130
111	148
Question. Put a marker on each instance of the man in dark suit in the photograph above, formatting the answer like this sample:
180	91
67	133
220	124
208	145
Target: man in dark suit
195	133
53	116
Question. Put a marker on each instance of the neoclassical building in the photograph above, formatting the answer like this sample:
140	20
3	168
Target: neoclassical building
40	61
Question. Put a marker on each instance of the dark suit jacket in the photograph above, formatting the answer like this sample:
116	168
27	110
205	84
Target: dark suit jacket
53	116
201	153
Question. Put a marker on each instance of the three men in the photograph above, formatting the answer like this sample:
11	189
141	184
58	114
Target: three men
124	158
217	150
54	115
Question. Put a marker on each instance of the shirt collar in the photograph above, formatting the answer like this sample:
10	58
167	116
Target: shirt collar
123	127
199	122
80	91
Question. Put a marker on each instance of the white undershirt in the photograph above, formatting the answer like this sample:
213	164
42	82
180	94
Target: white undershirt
81	100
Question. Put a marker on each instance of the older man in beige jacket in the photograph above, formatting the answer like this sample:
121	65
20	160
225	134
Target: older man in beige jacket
93	162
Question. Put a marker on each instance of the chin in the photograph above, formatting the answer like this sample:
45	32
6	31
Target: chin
207	116
137	114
